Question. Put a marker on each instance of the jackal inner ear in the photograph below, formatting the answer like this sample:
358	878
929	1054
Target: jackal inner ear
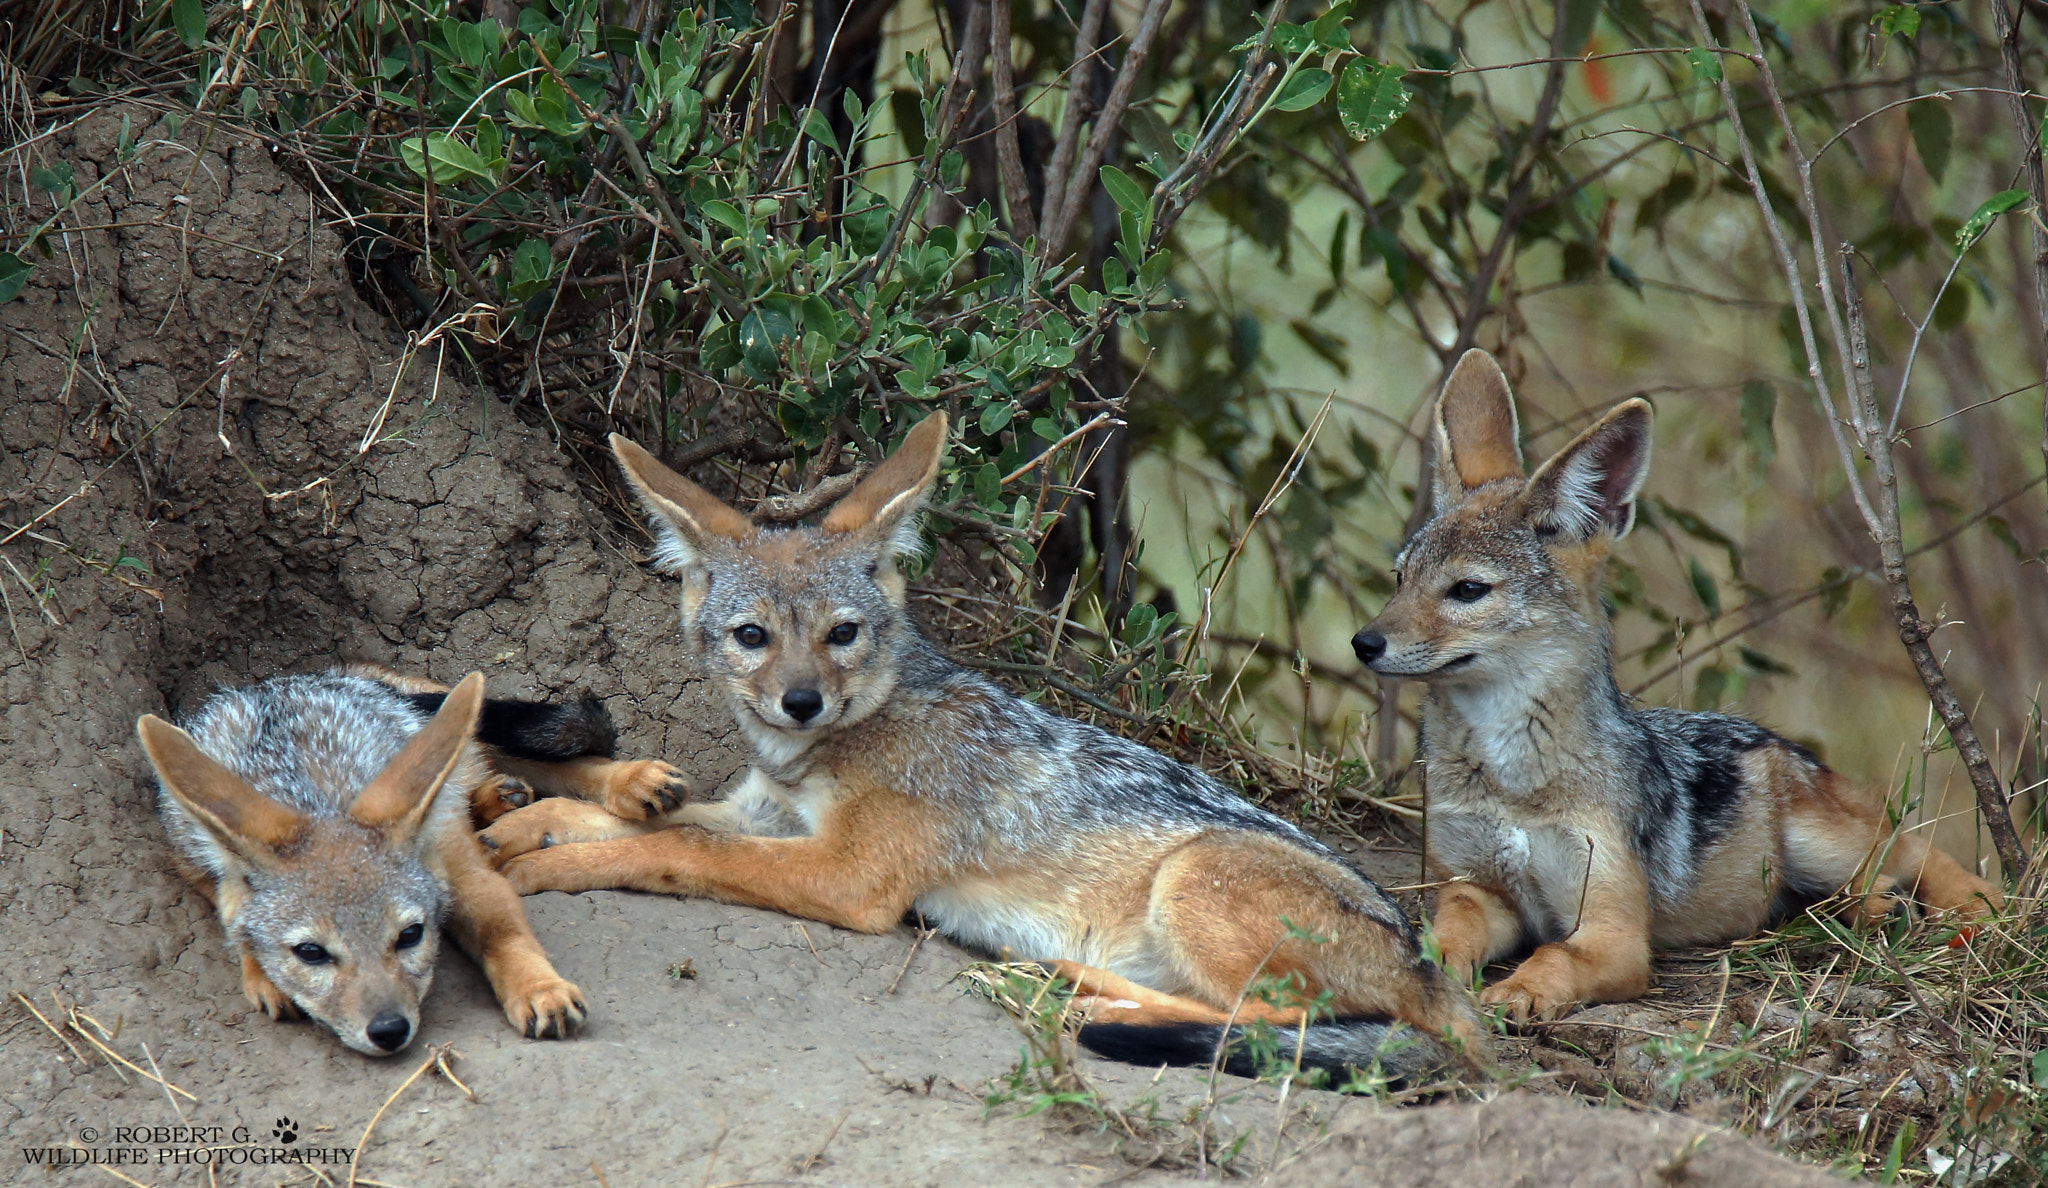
235	814
1591	484
1478	438
399	796
886	502
687	519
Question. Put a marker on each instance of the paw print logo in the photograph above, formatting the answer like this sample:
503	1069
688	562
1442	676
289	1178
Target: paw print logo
286	1130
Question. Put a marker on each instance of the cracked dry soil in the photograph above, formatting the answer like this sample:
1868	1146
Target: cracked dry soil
724	1045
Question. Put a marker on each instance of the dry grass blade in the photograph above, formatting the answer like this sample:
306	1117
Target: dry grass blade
435	1058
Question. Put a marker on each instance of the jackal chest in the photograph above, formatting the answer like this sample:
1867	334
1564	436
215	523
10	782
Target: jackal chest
1538	862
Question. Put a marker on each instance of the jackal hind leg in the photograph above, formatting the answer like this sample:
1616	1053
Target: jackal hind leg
1838	837
1221	907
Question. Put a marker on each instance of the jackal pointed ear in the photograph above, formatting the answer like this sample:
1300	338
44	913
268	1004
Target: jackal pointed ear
1591	484
885	501
397	798
1478	440
687	518
235	815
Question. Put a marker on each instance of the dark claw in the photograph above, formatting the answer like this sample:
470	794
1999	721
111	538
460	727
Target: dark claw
546	840
490	843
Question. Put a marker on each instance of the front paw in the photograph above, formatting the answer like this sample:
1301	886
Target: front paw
264	995
646	788
550	1009
1531	994
496	797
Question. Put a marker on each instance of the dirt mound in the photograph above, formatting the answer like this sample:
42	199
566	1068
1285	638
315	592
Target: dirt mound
186	501
1535	1140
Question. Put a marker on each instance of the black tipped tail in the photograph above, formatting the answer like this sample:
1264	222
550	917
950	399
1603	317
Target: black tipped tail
539	730
1339	1047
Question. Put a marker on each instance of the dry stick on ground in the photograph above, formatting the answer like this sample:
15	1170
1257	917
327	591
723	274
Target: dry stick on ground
2031	172
1108	125
1880	518
434	1057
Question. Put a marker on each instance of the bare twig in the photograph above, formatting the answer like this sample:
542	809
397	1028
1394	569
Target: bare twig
2030	168
1070	115
1881	514
1016	190
1108	125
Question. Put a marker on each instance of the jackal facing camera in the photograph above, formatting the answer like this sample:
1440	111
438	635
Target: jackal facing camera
887	778
328	819
1559	814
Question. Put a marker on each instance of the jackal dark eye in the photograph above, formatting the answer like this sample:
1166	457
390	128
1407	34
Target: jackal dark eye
750	636
844	634
311	953
1469	591
411	936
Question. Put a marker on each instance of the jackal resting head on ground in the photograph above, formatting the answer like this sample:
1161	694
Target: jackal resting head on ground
328	819
888	778
1560	815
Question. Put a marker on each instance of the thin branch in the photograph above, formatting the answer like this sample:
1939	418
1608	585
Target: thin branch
2030	168
1016	189
1070	115
1108	125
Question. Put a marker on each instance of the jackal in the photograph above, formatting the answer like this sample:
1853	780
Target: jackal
1560	815
328	819
887	778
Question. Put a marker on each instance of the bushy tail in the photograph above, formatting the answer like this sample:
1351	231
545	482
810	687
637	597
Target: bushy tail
1337	1046
540	730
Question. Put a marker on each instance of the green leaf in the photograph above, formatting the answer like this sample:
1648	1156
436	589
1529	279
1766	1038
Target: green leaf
1127	194
1898	19
995	415
1114	275
490	143
726	215
819	128
1370	98
1304	90
1703	584
988	485
2041	1068
54	179
13	275
1329	31
1980	221
1933	133
189	18
452	159
1759	404
1154	269
1706	64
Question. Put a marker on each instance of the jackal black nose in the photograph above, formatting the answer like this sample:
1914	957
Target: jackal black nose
389	1031
1369	644
803	704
